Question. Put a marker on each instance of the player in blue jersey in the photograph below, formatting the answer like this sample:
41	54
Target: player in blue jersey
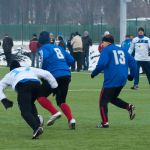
115	62
57	61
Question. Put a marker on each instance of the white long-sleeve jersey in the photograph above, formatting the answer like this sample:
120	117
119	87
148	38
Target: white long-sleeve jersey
25	73
141	47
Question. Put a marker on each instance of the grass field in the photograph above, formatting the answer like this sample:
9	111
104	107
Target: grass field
123	134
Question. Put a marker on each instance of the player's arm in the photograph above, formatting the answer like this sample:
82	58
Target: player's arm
102	62
43	55
131	48
132	66
69	59
4	83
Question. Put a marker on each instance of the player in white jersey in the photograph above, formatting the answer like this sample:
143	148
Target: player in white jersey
25	81
141	46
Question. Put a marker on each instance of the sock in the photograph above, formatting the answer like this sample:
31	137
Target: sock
66	110
46	103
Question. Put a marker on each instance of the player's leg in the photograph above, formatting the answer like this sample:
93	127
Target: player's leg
120	103
103	105
38	117
44	92
146	66
63	85
136	78
25	104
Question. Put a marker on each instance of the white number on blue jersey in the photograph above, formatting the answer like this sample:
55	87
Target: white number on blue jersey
119	57
59	53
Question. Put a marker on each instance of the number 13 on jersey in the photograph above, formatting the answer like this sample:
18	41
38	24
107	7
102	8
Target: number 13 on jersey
119	57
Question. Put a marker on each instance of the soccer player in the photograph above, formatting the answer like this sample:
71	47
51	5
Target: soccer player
57	61
25	81
141	46
115	62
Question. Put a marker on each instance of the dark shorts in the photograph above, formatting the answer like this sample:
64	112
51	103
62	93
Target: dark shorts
109	94
28	90
63	85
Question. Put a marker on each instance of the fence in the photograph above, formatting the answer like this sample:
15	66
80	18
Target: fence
24	31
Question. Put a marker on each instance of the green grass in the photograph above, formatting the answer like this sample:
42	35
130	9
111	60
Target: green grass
83	95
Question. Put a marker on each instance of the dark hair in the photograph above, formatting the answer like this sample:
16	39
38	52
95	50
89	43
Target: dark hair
14	64
140	29
34	34
44	37
60	38
128	36
77	33
108	38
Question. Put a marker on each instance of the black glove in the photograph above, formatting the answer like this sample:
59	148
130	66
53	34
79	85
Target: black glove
92	76
54	91
130	78
7	103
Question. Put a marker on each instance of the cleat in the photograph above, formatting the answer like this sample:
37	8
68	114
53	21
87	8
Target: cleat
135	87
41	120
53	118
131	111
72	124
37	133
103	125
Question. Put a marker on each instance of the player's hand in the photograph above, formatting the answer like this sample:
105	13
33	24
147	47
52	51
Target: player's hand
130	78
7	103
54	91
92	76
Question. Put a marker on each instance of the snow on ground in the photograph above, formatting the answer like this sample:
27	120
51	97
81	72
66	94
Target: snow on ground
22	53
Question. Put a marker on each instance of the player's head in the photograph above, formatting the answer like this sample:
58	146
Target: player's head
140	31
44	37
34	35
107	40
14	64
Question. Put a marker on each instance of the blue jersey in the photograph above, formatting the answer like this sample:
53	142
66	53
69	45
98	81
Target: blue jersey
56	60
115	62
126	44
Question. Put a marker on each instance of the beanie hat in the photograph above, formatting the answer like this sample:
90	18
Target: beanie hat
108	38
140	29
86	33
106	33
34	34
44	37
14	64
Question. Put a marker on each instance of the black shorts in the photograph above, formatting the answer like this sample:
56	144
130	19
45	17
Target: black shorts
109	94
28	90
63	85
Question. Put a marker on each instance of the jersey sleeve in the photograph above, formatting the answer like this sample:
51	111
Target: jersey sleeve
4	83
102	62
43	54
131	48
132	65
69	59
